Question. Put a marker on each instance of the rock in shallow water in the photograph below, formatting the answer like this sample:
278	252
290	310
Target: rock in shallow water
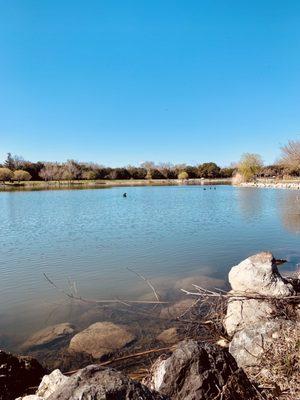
49	335
197	371
17	374
168	336
177	309
101	338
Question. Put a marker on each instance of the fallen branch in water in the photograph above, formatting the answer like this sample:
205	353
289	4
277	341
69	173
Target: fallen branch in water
103	301
147	282
205	293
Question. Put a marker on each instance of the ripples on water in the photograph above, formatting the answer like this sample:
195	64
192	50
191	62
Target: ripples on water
165	233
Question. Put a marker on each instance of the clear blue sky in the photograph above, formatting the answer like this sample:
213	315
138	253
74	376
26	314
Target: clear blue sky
122	81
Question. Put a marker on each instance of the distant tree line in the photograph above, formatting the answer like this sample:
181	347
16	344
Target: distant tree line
15	168
250	167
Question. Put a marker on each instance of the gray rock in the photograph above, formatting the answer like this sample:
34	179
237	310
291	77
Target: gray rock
197	371
94	382
101	338
50	383
243	313
49	335
17	374
248	345
259	274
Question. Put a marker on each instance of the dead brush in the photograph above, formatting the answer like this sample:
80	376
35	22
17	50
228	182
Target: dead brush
279	366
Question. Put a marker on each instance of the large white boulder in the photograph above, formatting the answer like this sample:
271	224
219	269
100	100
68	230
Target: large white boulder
248	345
243	313
259	274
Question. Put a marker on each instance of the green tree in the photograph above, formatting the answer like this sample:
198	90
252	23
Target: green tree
250	166
208	170
183	175
5	174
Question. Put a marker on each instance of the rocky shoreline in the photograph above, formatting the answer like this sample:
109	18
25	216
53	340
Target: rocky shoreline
272	185
255	357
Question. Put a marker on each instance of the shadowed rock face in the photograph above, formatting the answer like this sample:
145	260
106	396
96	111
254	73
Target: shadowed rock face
17	374
196	371
93	382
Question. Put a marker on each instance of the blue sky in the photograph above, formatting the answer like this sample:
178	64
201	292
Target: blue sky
124	81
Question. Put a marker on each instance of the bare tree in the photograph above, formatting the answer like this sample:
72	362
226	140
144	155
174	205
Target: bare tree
290	156
51	171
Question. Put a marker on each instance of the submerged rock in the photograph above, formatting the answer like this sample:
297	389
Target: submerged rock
49	335
94	382
168	336
197	371
259	274
17	374
177	309
248	345
101	338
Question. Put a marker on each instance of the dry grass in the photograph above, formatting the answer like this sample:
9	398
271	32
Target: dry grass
279	366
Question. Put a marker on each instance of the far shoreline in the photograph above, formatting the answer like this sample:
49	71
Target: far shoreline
100	184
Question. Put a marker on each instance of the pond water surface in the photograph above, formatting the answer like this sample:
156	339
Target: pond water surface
84	240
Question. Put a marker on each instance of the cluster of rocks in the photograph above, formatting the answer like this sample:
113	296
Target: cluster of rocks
252	323
193	370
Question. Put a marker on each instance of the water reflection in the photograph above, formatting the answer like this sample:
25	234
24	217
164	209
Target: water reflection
250	202
289	206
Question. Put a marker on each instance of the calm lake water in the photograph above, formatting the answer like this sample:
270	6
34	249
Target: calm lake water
164	233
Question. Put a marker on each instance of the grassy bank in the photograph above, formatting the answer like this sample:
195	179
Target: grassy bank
92	184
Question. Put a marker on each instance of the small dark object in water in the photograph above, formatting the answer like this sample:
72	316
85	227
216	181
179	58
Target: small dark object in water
280	261
215	188
204	189
124	194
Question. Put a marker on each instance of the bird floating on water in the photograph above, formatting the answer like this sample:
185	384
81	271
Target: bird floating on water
124	194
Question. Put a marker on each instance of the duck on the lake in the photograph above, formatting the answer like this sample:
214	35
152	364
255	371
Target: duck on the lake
125	194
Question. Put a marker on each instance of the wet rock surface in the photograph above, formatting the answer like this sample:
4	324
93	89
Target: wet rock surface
17	375
196	371
50	335
168	336
177	309
101	338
